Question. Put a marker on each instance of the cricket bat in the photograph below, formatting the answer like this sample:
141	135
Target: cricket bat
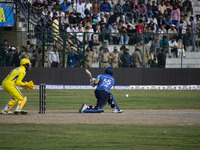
88	73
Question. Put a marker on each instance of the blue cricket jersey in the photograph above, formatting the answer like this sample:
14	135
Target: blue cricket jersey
106	82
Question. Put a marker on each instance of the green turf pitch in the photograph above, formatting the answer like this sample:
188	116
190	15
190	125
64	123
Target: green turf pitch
138	99
98	137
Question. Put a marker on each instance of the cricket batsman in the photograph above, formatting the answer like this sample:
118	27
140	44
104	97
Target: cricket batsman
104	83
10	83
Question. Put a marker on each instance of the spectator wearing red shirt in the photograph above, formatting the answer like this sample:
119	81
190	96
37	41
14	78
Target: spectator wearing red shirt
140	29
169	8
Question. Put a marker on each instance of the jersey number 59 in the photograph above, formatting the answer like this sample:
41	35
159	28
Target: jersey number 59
107	82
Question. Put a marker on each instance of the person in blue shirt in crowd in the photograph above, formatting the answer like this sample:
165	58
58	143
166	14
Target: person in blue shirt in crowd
79	58
106	7
65	5
104	83
126	59
71	58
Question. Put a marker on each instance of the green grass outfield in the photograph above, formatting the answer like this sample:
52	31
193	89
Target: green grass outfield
97	137
138	99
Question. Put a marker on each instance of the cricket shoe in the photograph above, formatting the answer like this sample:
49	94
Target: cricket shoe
20	112
115	110
5	112
83	108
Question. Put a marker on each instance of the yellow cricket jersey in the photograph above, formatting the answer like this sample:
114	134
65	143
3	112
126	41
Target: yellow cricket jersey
15	77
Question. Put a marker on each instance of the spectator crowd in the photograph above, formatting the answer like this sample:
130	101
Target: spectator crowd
168	26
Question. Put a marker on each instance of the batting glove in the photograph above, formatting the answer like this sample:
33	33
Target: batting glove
92	82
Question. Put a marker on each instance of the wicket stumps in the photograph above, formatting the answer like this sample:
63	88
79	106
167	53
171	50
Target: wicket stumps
42	105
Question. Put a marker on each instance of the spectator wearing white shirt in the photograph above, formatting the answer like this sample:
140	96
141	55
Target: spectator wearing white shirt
186	19
53	11
152	25
115	35
65	21
45	12
173	47
127	22
122	18
71	29
81	8
60	13
100	18
90	32
155	22
88	7
72	7
197	19
162	30
107	16
79	25
182	26
80	34
54	57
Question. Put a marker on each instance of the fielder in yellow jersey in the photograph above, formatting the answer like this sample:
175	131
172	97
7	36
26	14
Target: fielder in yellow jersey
10	83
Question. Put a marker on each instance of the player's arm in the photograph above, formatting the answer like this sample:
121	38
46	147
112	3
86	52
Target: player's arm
26	85
96	82
19	80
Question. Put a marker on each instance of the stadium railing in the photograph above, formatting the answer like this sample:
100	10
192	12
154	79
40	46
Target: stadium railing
184	58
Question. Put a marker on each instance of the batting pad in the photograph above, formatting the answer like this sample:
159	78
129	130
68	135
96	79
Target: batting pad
93	111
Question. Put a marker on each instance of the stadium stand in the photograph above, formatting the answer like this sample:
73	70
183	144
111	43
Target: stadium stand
115	21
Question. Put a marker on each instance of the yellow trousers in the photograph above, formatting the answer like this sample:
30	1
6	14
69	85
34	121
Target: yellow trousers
12	90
